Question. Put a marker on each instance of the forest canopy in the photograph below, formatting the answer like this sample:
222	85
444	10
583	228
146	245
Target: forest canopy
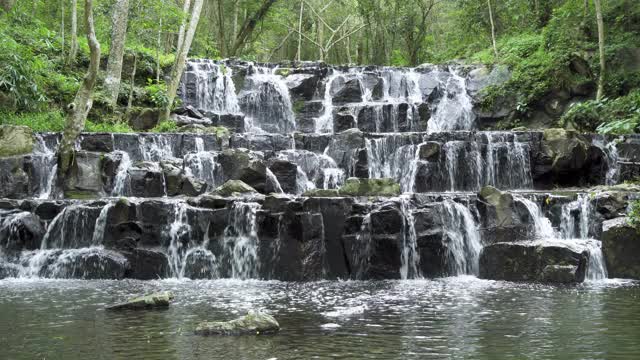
44	51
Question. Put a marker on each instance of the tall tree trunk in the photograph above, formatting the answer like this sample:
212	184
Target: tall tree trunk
181	58
601	79
73	50
493	30
7	4
298	54
221	31
83	101
249	25
234	29
116	52
62	23
133	81
183	24
158	46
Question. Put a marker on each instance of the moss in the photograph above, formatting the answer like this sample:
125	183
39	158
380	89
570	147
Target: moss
298	106
283	72
370	187
321	193
79	195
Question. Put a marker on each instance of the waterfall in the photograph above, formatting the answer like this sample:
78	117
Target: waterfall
180	235
241	240
101	224
271	177
455	109
361	249
72	228
389	159
155	148
266	103
409	259
314	170
209	86
577	234
324	123
464	243
203	165
121	181
45	164
542	225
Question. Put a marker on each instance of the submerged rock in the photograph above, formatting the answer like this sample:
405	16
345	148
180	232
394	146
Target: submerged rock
254	323
370	187
621	248
155	300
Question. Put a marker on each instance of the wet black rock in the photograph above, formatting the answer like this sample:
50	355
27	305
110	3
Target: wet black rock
542	261
621	248
20	231
147	264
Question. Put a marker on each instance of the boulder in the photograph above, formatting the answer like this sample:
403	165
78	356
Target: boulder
15	140
287	174
147	264
234	187
151	301
144	119
14	180
20	231
85	264
8	270
537	261
621	248
97	142
182	120
146	180
240	164
85	179
254	323
370	187
430	151
351	92
343	120
564	154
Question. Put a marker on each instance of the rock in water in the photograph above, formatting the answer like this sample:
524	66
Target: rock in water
621	248
255	323
151	301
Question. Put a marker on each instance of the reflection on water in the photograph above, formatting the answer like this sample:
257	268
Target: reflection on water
459	317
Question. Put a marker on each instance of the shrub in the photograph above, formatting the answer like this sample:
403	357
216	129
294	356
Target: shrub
117	127
40	122
157	93
165	126
607	116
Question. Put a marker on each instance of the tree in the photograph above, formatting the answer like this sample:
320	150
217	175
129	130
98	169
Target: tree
84	98
7	4
73	50
116	52
249	25
181	55
414	27
493	29
601	78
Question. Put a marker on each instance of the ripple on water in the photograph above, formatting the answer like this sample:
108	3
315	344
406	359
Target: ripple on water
460	317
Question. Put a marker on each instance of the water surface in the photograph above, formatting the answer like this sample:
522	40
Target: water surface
459	317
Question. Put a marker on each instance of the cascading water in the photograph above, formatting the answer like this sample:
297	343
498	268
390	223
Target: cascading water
389	159
241	241
46	166
410	259
461	230
266	102
121	181
577	234
208	85
455	109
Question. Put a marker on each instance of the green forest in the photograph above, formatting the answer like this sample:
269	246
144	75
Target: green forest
551	47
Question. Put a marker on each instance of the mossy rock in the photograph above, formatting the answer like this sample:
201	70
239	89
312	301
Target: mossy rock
15	140
254	323
322	193
79	195
233	187
370	187
155	300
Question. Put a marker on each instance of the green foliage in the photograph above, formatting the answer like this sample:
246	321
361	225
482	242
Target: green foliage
117	127
607	116
165	127
157	93
41	121
633	216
